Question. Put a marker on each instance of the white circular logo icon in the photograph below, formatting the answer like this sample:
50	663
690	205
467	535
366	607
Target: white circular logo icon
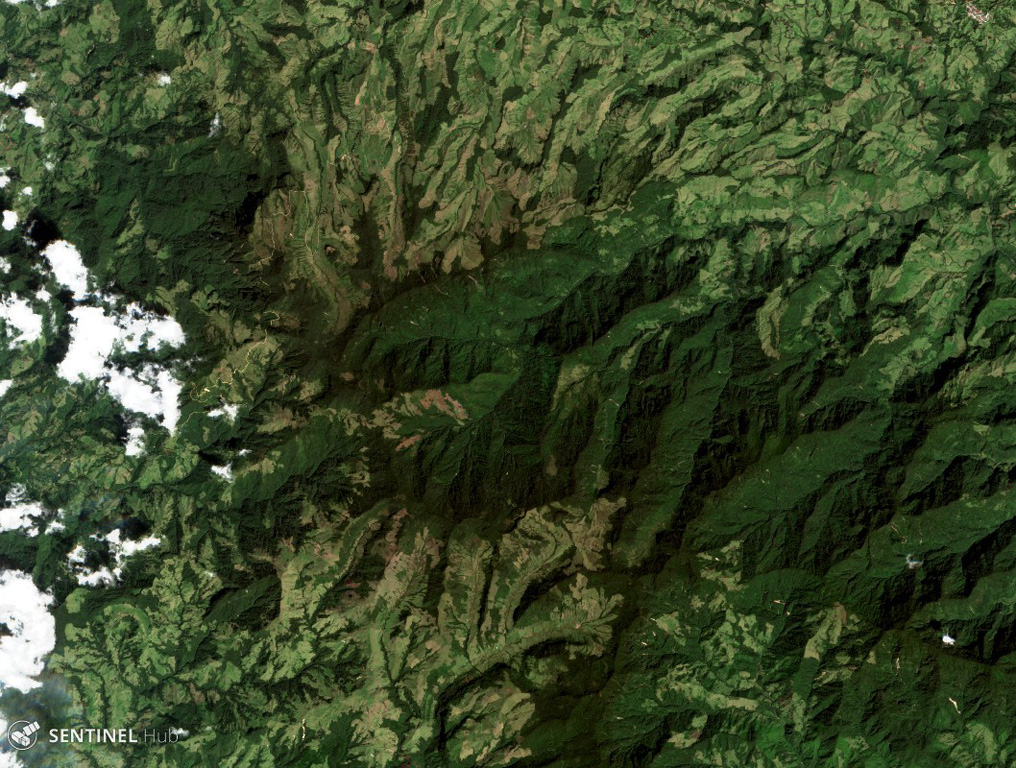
23	734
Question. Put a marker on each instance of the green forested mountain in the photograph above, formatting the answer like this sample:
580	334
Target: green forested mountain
574	383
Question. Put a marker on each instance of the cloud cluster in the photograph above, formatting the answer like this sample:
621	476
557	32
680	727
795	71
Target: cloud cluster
20	513
120	549
25	611
99	331
22	323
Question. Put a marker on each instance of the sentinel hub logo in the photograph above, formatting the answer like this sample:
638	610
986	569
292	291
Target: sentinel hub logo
23	734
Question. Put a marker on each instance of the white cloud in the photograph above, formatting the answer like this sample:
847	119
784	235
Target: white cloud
100	578
94	337
32	117
124	549
25	611
5	384
17	494
100	331
18	515
76	555
171	389
164	79
135	441
4	179
146	329
157	396
18	315
224	471
134	394
226	409
121	550
16	90
70	271
26	191
96	334
20	518
10	220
